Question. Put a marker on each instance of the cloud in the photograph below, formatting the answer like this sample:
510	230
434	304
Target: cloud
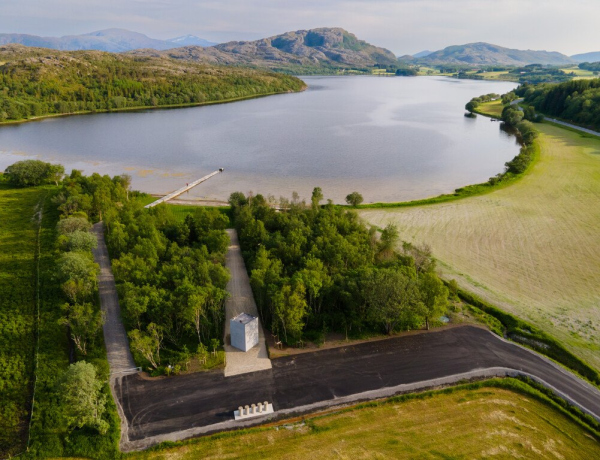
404	26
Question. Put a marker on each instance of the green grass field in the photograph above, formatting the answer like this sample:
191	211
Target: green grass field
492	108
579	73
18	244
531	248
466	423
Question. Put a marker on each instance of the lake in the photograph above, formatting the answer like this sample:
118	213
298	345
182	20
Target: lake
389	138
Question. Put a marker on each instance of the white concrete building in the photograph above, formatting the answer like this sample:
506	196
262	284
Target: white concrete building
244	331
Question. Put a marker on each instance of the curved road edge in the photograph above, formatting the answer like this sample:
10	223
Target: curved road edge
340	402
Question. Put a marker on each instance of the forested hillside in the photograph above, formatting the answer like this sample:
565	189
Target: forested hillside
36	82
577	101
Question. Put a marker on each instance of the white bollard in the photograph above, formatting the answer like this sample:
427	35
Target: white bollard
247	411
266	404
260	406
253	409
240	411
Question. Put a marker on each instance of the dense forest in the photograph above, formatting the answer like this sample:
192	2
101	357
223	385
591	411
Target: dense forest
577	101
170	275
36	82
316	268
171	281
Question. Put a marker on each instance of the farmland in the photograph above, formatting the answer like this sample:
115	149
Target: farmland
505	423
531	248
18	242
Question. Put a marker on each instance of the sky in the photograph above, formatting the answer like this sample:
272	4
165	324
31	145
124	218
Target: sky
403	26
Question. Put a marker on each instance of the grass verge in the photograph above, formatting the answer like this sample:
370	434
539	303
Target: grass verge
532	337
18	247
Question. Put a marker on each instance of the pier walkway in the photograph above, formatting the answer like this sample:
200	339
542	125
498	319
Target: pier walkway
178	192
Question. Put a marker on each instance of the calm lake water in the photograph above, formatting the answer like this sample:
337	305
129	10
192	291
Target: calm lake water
391	139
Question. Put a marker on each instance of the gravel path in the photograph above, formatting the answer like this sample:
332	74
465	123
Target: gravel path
241	300
115	337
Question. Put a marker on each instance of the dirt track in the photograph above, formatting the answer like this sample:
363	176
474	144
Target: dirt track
156	408
115	337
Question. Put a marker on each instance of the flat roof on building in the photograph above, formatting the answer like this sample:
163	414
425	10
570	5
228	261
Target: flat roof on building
243	318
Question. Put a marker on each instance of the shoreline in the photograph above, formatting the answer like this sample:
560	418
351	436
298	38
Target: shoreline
148	107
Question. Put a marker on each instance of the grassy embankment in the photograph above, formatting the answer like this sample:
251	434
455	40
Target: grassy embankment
18	248
506	417
532	248
18	336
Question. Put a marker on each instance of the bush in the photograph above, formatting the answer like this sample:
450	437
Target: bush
28	173
81	241
72	224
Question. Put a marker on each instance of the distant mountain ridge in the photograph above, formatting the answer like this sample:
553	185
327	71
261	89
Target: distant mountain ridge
478	54
315	48
190	40
423	53
587	57
111	40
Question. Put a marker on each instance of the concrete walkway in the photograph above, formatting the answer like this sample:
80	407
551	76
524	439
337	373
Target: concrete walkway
241	300
117	345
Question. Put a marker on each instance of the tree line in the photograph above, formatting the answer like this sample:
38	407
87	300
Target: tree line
591	66
577	101
317	268
36	83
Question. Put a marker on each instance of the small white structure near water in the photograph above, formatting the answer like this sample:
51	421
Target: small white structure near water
244	331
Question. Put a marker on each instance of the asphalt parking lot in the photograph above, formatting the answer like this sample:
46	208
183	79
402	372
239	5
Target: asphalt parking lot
160	406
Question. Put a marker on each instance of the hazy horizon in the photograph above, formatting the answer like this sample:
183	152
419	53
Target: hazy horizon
403	26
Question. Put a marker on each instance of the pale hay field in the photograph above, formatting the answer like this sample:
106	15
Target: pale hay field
532	248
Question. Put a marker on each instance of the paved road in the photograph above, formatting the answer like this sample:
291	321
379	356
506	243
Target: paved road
578	128
558	122
181	407
115	337
241	300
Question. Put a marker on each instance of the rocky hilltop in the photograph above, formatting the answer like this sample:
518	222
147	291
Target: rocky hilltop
479	54
316	48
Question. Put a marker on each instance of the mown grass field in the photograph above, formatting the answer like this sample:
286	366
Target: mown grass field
477	423
18	243
492	108
531	248
579	73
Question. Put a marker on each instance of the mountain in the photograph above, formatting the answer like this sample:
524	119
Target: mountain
421	54
190	40
307	49
112	40
587	57
477	54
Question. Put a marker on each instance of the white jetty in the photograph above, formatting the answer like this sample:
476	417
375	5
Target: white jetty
189	186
